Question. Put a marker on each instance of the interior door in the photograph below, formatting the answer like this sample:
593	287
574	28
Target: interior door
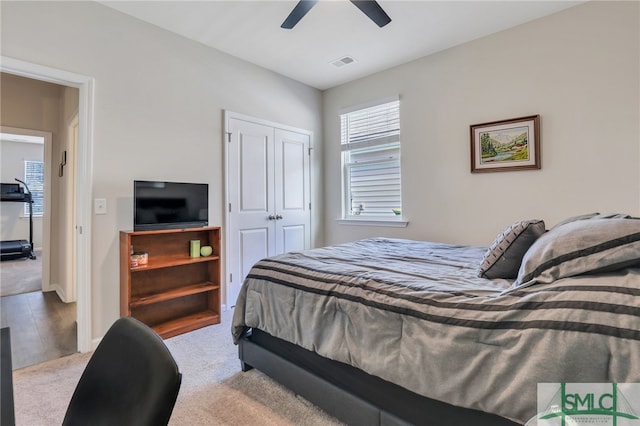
292	204
251	200
268	194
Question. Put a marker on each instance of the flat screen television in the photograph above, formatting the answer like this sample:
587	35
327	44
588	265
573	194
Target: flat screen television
169	205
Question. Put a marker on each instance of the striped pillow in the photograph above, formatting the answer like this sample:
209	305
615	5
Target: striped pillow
503	257
582	247
575	218
593	216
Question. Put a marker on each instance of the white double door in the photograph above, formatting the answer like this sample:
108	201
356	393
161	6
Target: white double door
268	194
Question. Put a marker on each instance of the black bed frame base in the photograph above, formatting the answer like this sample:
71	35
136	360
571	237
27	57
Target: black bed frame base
348	393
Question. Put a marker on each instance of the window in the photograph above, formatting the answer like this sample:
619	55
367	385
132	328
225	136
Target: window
34	178
371	162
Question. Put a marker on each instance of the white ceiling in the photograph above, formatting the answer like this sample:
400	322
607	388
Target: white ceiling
250	30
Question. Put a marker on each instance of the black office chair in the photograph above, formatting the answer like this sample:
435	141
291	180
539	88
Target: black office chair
131	379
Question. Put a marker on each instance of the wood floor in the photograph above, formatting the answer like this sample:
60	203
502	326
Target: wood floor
42	327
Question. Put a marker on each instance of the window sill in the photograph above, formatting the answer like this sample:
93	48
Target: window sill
394	223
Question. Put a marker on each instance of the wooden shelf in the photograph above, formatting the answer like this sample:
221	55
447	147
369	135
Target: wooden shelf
187	323
169	261
174	292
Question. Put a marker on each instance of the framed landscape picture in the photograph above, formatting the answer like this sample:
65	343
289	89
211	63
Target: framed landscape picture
506	145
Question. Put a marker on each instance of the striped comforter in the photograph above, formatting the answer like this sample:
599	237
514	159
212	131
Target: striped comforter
416	314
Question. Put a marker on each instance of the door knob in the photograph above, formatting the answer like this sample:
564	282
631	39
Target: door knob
271	217
278	217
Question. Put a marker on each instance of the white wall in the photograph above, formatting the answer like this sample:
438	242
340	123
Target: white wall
578	69
158	112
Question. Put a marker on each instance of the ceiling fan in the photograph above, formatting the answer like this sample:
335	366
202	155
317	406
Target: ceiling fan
371	8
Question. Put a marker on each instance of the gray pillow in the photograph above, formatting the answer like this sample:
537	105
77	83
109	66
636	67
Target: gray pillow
504	256
575	218
582	247
612	216
593	216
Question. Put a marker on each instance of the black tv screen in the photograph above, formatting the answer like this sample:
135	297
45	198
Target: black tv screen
169	205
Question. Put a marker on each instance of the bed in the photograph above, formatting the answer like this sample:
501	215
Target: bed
391	331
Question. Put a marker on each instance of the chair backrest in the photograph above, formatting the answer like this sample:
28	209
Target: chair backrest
131	379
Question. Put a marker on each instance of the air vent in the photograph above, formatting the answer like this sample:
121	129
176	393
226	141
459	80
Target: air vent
346	60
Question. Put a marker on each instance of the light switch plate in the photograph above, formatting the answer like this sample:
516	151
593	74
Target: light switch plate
100	206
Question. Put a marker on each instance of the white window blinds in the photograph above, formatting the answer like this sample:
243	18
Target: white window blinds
34	178
371	161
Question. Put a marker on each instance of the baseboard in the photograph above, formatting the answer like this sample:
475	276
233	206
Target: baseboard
59	291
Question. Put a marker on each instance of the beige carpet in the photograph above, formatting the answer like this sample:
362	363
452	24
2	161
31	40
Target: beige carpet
21	275
214	391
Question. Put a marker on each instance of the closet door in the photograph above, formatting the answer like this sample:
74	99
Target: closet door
268	194
292	202
250	232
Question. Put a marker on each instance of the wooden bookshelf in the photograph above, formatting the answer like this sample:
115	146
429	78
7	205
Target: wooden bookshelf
173	293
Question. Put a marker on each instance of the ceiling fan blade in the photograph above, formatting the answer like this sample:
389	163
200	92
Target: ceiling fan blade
373	10
297	13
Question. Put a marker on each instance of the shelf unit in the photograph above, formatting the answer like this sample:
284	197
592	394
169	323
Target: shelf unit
173	293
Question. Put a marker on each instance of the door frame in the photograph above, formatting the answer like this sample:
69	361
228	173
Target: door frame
84	180
70	266
226	137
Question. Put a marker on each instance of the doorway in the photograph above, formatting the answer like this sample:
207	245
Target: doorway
38	293
27	152
83	181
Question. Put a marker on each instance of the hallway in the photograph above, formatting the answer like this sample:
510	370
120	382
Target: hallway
42	327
